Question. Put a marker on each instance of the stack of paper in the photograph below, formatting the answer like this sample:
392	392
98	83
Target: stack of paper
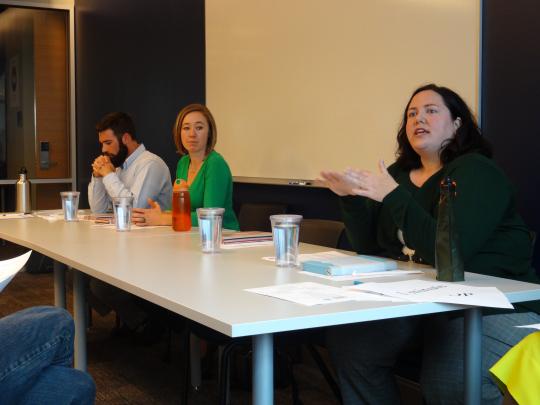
437	291
334	263
246	239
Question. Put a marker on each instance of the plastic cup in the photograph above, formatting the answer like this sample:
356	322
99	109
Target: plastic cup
285	232
122	213
70	205
210	220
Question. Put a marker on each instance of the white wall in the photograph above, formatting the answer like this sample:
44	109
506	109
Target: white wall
297	86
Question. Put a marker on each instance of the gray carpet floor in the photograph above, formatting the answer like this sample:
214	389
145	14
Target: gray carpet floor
128	373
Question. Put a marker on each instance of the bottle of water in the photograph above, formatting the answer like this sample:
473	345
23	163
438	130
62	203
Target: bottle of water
448	260
23	193
181	206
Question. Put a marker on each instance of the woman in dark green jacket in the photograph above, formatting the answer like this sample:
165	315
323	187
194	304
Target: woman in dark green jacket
393	213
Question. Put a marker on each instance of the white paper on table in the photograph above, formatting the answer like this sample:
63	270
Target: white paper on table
14	215
533	326
306	293
241	245
371	296
58	215
10	267
363	276
50	216
437	291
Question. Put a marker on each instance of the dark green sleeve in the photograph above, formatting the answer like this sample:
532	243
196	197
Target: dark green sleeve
483	195
360	218
417	224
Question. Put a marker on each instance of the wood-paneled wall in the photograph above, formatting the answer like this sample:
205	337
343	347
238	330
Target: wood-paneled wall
51	92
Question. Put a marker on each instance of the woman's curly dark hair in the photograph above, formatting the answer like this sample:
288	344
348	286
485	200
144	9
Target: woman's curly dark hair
468	136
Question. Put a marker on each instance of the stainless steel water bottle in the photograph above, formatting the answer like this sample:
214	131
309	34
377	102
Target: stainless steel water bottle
23	193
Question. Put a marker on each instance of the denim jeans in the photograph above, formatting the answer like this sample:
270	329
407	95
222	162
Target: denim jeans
36	355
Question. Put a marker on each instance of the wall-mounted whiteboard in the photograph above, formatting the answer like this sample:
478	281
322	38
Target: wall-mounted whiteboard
297	86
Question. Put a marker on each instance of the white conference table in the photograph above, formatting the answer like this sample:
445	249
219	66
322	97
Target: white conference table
168	269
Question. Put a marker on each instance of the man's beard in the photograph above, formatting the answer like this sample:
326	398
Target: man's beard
119	159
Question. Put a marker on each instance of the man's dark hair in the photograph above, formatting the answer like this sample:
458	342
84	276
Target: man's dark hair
119	122
468	137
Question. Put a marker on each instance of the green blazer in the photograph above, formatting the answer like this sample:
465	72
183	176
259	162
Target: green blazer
212	187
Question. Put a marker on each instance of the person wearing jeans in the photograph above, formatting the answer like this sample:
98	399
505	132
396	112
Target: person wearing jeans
36	358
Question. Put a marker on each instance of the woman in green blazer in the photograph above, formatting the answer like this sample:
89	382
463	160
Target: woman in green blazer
206	172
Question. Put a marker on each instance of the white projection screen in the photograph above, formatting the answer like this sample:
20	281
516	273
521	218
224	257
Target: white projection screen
298	86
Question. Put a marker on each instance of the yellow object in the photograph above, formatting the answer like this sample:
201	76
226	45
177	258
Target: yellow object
519	371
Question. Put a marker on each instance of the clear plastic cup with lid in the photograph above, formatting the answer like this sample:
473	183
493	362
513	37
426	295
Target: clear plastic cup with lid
210	224
122	207
70	205
286	232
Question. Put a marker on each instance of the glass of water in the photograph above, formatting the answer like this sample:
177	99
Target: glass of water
285	232
122	213
70	205
210	220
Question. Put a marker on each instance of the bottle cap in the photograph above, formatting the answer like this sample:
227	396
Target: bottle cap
23	170
180	184
449	185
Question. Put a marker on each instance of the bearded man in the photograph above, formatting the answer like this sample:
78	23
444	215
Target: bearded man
126	168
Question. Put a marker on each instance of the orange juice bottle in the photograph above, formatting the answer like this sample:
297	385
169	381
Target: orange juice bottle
181	206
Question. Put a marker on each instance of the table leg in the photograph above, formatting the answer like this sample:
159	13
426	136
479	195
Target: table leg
473	356
79	311
263	369
195	361
59	284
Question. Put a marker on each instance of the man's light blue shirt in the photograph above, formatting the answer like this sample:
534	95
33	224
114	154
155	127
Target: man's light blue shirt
143	175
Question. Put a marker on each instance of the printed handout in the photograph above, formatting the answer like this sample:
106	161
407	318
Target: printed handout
533	326
306	293
10	267
436	291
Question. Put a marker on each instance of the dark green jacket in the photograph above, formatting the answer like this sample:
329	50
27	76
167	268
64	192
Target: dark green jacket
493	238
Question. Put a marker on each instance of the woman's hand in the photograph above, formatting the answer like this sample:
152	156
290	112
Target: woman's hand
149	216
339	183
372	185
